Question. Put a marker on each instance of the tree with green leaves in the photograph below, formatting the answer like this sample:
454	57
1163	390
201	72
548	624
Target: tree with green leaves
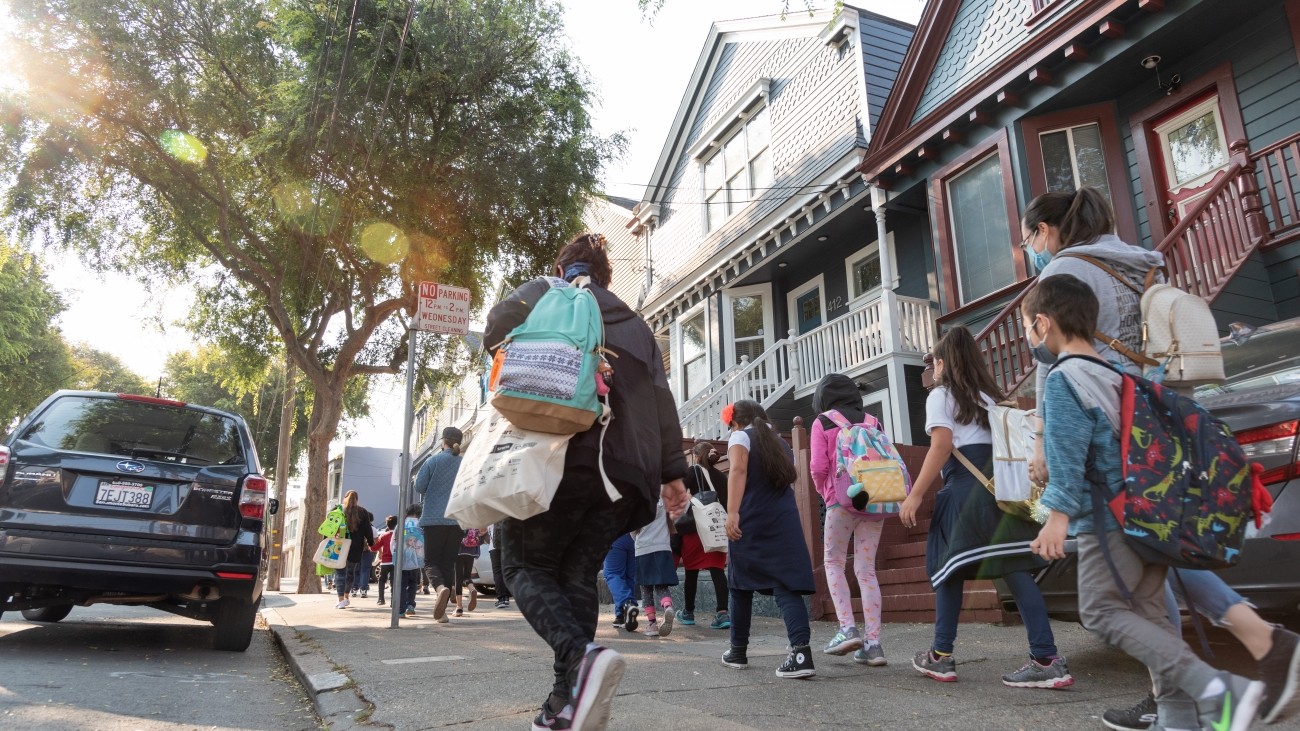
301	165
34	360
216	378
97	370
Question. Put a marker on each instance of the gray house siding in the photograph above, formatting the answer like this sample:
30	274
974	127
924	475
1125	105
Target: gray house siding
982	34
813	107
884	44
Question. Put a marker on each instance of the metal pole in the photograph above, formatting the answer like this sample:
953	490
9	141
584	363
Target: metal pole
282	477
399	535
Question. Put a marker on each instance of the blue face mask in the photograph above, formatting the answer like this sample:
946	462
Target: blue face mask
1040	258
1040	351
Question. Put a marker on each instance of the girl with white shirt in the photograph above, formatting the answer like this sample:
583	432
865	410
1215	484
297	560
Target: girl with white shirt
969	537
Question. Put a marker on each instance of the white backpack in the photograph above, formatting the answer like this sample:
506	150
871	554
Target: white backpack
1180	339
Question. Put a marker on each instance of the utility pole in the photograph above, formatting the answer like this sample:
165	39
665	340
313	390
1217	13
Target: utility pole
282	476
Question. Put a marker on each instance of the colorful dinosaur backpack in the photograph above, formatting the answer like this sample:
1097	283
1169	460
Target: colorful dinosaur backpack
470	539
546	372
855	442
1189	489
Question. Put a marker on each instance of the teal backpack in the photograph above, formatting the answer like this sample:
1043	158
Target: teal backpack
548	373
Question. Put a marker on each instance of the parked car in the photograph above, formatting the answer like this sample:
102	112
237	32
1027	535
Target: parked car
1260	401
112	498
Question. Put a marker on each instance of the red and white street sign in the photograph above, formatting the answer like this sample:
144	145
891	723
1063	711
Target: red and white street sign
443	309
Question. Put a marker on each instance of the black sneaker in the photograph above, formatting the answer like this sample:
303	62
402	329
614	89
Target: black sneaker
1280	671
547	721
620	617
633	611
735	658
1233	707
596	682
798	664
1138	718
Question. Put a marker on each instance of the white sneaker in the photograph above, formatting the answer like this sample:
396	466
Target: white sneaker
343	603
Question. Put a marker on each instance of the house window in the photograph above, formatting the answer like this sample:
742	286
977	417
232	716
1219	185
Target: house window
749	312
980	230
975	210
863	268
1073	157
664	340
694	355
739	170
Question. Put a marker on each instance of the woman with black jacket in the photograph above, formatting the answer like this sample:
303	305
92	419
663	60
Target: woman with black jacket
551	559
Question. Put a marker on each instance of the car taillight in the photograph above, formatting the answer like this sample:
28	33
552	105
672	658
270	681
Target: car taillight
252	499
1271	441
4	456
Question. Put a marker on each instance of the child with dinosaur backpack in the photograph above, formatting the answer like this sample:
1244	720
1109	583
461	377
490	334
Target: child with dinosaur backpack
1121	589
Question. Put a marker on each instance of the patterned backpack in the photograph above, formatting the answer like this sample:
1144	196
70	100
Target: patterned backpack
470	539
861	441
547	372
1189	489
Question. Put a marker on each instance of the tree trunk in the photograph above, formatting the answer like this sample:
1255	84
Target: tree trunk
326	410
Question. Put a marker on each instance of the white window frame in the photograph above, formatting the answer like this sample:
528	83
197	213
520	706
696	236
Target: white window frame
882	397
679	362
728	316
863	253
1162	134
715	148
792	297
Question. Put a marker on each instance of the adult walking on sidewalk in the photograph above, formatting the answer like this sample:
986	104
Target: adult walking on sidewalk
358	523
441	534
704	477
551	559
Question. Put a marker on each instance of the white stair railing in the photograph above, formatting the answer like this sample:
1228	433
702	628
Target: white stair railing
759	380
712	387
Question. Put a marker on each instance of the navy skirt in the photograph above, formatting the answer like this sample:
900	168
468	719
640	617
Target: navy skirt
656	569
970	537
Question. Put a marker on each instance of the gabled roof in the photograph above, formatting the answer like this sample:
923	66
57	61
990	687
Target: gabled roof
901	130
720	34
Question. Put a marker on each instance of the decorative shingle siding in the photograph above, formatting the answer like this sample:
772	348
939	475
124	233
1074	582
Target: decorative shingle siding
813	107
982	34
883	44
626	252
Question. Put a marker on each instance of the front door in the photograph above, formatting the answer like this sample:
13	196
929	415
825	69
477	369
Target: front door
1190	153
807	308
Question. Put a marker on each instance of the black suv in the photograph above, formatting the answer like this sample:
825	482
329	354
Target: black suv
133	500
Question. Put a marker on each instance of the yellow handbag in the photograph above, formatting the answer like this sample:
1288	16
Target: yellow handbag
1030	510
882	480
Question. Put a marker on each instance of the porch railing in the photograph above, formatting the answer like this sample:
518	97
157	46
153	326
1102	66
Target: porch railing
712	387
1277	170
1202	253
849	344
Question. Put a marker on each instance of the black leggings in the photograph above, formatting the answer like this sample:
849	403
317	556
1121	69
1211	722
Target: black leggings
441	544
464	570
386	575
719	588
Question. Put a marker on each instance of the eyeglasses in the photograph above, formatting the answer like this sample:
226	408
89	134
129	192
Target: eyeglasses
1025	243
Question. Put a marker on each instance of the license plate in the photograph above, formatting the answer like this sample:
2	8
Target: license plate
124	494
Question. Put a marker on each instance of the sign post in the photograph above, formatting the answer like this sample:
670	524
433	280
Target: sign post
442	309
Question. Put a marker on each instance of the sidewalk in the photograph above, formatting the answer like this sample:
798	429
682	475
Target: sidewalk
489	672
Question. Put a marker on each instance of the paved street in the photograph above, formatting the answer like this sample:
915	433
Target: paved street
488	672
107	668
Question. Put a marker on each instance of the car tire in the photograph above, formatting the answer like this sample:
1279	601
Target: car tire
234	624
47	614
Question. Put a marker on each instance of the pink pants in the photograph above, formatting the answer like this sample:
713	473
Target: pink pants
840	525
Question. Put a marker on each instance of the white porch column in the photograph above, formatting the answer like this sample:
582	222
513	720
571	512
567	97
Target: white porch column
900	415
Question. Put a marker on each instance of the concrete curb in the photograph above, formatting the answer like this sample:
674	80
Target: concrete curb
332	692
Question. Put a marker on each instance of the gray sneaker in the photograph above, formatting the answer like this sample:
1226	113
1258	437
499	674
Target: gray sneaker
1033	675
845	641
873	654
942	669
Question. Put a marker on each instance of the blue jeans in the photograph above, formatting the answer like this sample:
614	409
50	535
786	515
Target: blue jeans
361	579
1211	595
1029	599
793	612
620	571
343	579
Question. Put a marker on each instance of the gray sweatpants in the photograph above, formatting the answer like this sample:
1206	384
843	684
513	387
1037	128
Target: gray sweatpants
1139	627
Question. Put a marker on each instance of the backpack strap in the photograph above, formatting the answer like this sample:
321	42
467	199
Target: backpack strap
836	418
707	479
979	474
1114	343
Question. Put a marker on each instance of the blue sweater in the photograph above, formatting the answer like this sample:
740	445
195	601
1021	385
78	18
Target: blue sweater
434	482
1081	431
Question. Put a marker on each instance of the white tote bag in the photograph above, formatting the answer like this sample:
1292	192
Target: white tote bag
332	553
1013	445
711	525
507	472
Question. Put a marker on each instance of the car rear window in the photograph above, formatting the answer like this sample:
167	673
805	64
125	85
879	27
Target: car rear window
138	430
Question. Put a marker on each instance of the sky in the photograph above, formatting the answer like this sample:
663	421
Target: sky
639	68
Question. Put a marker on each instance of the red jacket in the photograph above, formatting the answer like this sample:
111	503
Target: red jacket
384	545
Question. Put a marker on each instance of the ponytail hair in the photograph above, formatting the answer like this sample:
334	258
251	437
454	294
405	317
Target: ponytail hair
453	447
769	447
966	376
352	510
1082	216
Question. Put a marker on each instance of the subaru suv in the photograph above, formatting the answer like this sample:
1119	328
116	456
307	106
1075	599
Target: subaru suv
120	499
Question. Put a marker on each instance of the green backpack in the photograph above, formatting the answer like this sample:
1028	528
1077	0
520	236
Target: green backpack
547	372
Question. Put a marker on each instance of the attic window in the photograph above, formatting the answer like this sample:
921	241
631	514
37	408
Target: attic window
712	138
1041	8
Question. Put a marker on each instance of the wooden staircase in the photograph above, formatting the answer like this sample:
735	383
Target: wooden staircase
1202	253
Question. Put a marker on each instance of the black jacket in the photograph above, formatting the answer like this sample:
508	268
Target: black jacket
643	446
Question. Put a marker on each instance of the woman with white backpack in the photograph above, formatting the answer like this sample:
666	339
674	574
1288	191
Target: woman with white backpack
839	405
